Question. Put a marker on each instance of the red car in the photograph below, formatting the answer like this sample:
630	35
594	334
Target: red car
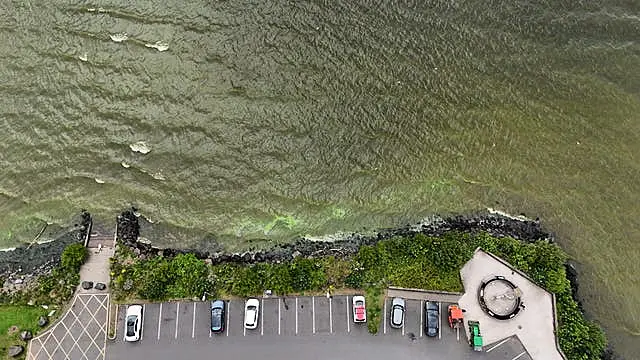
359	309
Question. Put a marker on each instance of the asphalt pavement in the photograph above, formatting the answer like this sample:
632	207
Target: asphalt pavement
291	327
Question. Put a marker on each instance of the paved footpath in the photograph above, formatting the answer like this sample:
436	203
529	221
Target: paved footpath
81	333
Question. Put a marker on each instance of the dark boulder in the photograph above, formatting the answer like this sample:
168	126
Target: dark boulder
100	286
15	350
87	285
43	321
26	335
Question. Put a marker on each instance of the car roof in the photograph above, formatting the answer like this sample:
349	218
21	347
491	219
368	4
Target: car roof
397	315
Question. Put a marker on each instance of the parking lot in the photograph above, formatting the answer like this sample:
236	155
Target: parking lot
314	321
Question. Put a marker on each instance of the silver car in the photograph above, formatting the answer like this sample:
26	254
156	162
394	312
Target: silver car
397	312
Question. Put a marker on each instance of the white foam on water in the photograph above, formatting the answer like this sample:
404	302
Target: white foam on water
158	176
125	165
507	215
99	181
8	249
119	37
83	57
158	45
140	147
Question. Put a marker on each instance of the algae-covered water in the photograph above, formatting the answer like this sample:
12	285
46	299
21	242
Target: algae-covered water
272	119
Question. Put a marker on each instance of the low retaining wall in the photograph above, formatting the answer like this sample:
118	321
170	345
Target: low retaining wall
421	294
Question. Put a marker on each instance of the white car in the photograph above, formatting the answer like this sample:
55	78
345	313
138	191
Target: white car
251	313
359	309
398	307
133	323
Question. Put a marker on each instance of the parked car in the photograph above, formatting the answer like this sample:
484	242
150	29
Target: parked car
397	312
251	313
218	313
432	318
133	323
359	309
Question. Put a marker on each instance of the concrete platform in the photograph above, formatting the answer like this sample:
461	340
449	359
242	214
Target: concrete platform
533	325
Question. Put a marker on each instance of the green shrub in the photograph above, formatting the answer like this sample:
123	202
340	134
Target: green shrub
73	257
375	300
307	274
190	276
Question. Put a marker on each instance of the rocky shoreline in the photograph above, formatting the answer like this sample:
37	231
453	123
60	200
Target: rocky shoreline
27	262
496	225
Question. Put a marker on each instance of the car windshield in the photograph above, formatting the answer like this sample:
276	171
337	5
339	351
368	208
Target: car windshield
251	308
131	324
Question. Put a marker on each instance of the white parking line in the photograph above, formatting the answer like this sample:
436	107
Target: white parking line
458	334
330	318
193	329
142	325
517	357
279	316
403	321
296	316
421	316
496	345
439	320
384	321
348	316
177	318
313	313
262	318
228	315
159	320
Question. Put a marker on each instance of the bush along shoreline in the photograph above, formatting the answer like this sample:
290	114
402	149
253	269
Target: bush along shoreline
427	256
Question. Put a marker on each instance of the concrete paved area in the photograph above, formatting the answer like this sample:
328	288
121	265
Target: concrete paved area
533	326
293	327
80	334
508	347
96	269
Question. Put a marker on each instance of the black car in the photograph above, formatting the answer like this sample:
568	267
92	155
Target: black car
218	313
431	318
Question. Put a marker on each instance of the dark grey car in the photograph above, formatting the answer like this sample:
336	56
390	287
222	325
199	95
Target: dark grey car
431	318
218	313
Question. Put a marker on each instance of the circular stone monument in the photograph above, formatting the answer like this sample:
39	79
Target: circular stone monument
500	298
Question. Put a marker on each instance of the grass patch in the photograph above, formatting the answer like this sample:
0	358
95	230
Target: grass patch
24	317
